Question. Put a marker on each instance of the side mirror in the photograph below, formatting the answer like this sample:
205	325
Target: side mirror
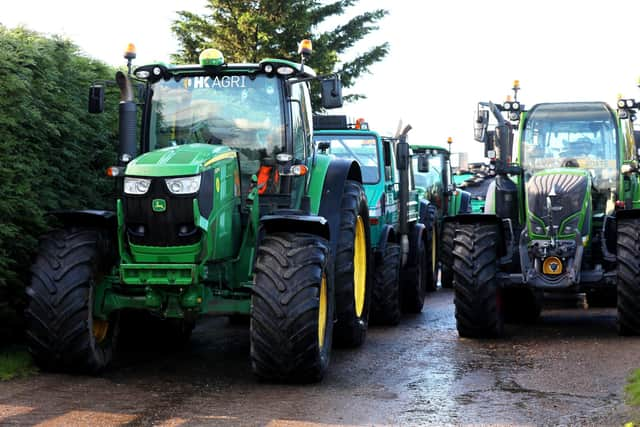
323	146
480	125
402	155
331	92
423	163
96	99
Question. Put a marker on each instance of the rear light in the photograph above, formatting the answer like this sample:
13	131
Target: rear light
374	221
620	204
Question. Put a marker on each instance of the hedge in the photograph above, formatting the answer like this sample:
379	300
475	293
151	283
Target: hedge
53	153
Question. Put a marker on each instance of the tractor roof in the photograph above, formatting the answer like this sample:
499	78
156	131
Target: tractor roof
419	148
284	68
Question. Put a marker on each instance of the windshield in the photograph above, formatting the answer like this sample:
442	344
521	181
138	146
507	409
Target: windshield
428	179
363	149
572	135
241	112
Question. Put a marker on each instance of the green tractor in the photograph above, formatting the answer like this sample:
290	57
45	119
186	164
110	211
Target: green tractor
226	207
564	217
440	198
475	179
401	243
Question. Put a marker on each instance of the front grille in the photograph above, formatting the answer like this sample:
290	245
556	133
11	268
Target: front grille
172	227
571	191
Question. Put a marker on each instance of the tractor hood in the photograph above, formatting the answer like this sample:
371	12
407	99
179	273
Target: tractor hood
559	198
180	160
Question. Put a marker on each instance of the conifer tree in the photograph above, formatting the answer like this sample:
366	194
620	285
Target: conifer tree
250	30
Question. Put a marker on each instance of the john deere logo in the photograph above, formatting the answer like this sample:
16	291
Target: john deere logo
159	205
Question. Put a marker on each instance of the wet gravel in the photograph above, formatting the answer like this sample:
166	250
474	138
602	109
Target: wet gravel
568	369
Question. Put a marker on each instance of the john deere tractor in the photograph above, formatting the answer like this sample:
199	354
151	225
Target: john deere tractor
562	217
402	273
226	208
440	198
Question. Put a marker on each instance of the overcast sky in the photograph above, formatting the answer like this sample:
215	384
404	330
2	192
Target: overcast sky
445	55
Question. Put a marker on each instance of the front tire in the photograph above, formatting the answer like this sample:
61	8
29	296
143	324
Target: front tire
352	268
292	309
628	251
446	254
386	305
477	297
62	333
415	281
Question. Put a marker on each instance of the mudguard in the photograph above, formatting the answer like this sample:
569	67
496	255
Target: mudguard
627	213
387	234
339	171
87	217
417	232
296	223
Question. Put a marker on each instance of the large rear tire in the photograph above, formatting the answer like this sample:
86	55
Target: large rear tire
62	333
477	296
292	308
386	307
446	254
628	252
352	281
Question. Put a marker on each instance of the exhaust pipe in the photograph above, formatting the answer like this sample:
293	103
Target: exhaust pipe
403	161
128	118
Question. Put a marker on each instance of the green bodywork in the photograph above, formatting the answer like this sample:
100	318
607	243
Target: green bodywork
555	145
213	274
380	176
437	186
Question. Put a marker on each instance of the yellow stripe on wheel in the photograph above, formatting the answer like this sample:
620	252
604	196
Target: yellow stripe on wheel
100	329
322	312
359	267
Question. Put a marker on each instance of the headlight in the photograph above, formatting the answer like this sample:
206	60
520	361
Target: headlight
183	185
136	186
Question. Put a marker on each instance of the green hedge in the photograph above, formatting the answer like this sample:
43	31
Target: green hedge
52	152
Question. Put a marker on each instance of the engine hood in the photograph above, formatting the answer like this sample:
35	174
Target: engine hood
180	160
569	192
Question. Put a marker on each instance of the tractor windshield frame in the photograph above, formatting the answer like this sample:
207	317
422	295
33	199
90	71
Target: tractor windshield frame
243	111
577	134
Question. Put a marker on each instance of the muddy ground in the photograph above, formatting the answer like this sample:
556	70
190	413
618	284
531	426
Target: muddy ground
568	369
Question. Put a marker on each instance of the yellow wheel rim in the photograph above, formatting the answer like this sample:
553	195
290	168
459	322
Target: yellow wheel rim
359	267
100	328
433	249
322	312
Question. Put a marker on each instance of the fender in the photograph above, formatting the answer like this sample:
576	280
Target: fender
89	218
627	213
418	232
387	234
296	223
338	172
